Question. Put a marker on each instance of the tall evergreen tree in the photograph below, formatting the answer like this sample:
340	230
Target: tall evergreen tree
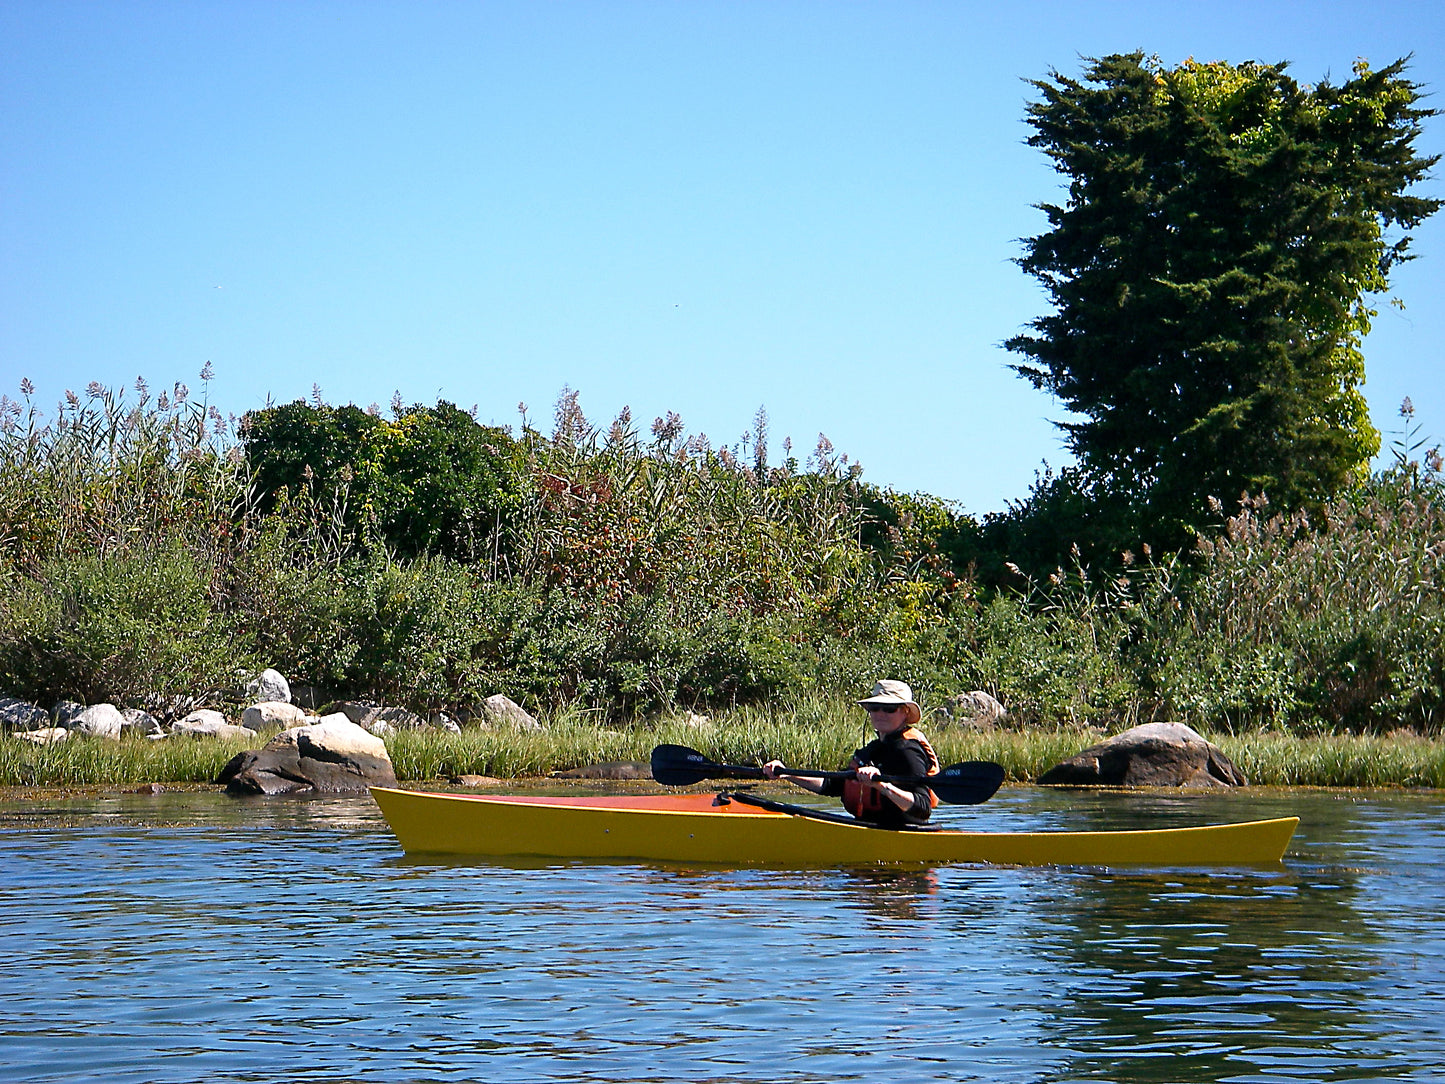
1211	273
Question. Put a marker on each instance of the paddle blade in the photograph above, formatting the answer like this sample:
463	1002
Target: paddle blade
969	783
679	766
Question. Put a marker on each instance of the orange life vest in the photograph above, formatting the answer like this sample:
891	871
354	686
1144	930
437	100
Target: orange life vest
868	803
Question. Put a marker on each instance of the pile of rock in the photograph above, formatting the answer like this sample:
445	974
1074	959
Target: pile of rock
339	752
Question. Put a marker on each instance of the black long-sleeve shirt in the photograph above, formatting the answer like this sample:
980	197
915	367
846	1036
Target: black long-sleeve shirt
905	752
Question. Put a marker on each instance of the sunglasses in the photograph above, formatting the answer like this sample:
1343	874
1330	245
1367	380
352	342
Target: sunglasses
882	709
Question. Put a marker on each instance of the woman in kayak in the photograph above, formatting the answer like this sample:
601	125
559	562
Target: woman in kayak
899	750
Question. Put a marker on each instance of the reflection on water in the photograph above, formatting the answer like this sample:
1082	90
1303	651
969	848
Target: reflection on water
181	937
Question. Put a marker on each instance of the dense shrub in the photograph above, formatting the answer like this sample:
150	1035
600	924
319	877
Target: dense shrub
1339	625
130	626
429	480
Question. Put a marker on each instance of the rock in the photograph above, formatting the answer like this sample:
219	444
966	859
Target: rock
44	736
440	720
99	721
475	781
333	756
308	696
1152	755
977	709
268	685
142	722
499	710
20	715
66	712
207	723
611	769
272	713
693	721
380	721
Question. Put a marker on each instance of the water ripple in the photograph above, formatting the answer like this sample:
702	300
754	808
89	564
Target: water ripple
175	938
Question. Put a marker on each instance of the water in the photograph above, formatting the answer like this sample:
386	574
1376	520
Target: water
187	937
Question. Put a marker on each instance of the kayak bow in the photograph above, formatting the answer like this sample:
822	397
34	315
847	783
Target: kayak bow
691	828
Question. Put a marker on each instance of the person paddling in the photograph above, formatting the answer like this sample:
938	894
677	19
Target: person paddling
899	750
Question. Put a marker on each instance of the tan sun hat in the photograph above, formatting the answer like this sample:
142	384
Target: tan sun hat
893	692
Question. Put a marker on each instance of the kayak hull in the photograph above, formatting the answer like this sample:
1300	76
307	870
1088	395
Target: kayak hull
690	828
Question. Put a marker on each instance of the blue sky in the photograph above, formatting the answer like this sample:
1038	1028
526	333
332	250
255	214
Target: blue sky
693	207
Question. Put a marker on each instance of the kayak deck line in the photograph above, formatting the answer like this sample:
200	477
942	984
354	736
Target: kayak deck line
691	828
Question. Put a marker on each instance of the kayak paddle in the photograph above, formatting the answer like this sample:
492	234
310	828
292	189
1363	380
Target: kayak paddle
969	783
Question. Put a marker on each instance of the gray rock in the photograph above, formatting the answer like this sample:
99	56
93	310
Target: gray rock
308	696
378	720
21	715
272	713
1152	755
99	721
501	711
333	756
440	720
475	781
977	709
141	722
66	712
268	685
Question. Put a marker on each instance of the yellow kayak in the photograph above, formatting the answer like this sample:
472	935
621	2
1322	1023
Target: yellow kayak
692	828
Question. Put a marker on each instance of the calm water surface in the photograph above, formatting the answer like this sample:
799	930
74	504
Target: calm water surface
188	937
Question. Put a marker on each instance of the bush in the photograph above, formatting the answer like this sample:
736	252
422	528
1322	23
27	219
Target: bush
123	627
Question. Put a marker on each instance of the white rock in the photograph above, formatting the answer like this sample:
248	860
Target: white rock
267	686
142	722
207	723
334	734
271	713
99	721
440	720
978	707
44	736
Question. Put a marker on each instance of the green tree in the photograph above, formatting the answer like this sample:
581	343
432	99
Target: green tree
1210	274
431	480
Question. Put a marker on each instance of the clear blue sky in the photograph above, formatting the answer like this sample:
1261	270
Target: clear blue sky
690	206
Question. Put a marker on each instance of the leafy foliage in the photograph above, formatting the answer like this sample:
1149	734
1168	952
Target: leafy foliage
432	480
1210	275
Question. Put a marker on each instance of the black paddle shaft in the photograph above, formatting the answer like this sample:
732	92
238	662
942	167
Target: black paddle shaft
959	784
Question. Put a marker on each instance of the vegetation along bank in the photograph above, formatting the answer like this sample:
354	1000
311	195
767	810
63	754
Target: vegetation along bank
1220	553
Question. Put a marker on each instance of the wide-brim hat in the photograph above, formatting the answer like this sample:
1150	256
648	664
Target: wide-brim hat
893	692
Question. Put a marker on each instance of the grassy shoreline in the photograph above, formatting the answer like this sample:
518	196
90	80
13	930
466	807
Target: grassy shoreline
742	736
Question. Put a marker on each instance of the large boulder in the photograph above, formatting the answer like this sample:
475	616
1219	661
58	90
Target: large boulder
333	756
1152	755
22	715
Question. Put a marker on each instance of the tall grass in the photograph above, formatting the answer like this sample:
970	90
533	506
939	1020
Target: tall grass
816	731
